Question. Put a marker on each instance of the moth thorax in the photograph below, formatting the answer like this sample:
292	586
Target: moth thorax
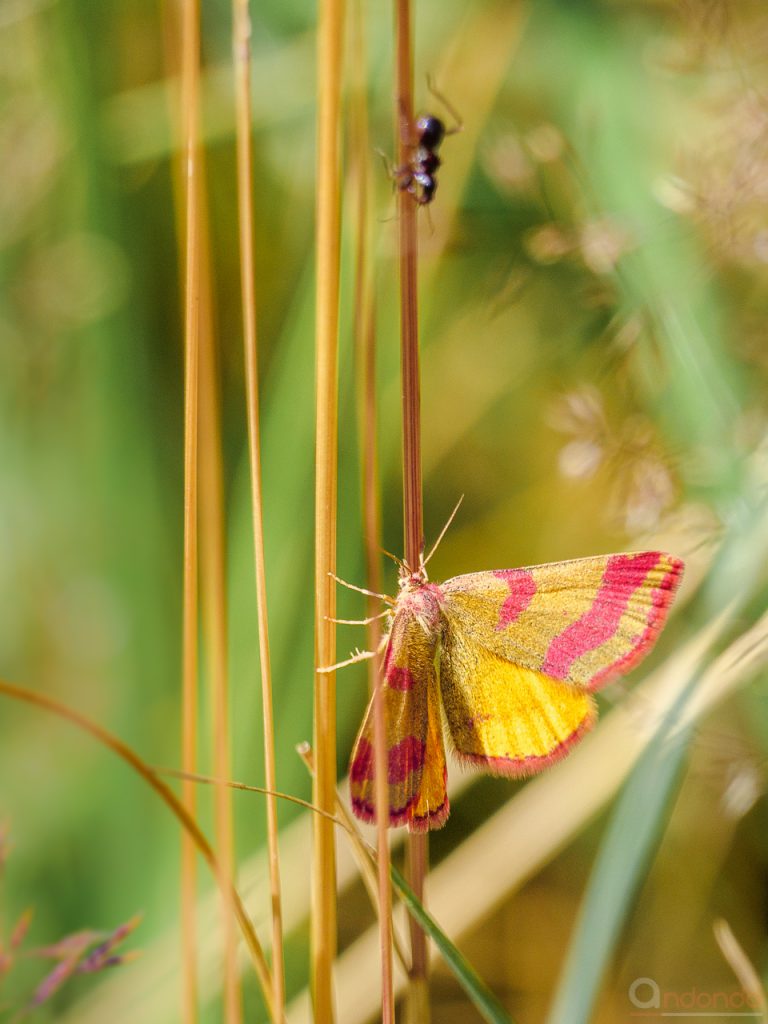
423	601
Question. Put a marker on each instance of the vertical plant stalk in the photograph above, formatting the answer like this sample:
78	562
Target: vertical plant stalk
242	66
324	939
190	79
214	605
210	510
365	347
417	850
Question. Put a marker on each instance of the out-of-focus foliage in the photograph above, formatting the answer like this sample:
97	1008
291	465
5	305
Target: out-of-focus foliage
594	297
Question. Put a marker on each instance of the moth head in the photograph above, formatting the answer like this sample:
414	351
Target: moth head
412	579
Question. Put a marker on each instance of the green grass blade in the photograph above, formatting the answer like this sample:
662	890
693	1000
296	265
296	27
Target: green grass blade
485	1001
635	829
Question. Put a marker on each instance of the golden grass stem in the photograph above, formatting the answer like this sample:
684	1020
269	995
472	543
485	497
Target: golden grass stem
417	1007
190	102
212	518
330	62
370	872
362	853
242	67
214	607
365	348
177	808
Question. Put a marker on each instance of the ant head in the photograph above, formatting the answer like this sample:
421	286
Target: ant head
431	131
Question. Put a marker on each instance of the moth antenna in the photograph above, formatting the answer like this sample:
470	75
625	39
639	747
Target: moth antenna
360	590
398	561
443	532
459	125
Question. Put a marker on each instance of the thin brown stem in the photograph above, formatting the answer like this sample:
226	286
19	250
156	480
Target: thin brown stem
190	78
177	808
364	855
242	34
409	317
323	926
417	849
214	606
365	347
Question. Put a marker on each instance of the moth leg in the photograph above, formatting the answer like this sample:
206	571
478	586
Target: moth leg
360	590
359	622
352	660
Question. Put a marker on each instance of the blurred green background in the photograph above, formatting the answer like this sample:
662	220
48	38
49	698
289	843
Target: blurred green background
594	282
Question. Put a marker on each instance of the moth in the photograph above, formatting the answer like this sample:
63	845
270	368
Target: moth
512	656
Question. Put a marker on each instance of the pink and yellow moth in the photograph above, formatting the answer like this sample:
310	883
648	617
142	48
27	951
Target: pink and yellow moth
513	657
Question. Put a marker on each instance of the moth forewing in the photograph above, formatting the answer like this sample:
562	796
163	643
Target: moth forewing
511	655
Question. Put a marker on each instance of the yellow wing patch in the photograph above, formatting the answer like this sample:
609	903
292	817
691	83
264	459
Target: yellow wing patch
508	719
431	809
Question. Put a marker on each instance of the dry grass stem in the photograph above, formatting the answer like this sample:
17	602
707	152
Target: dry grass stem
190	103
211	513
365	348
214	607
362	852
330	62
242	33
417	844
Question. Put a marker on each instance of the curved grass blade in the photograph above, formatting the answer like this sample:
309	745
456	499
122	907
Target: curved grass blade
634	832
486	1002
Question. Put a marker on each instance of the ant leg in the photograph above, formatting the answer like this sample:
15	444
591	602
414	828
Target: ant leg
360	590
401	177
352	660
429	219
389	167
459	125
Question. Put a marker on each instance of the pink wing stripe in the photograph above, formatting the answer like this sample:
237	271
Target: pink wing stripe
361	768
522	587
662	599
405	758
401	816
397	678
623	575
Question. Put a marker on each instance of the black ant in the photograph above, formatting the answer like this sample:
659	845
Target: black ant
418	175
